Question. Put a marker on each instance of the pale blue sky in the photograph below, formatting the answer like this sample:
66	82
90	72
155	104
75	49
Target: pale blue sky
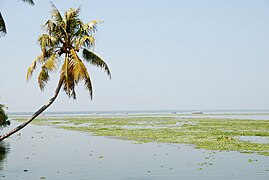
163	54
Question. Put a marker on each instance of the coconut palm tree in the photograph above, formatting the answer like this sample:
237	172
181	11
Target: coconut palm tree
3	29
66	39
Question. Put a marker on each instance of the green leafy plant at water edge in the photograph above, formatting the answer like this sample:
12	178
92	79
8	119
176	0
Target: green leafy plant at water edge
3	117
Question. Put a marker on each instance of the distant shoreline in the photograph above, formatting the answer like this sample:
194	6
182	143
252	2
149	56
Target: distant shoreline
240	111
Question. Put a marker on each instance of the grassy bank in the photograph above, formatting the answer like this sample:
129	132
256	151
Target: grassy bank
205	133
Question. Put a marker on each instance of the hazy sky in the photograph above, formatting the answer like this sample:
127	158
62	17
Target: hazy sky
163	54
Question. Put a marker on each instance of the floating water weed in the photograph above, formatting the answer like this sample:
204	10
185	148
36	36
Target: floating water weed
205	133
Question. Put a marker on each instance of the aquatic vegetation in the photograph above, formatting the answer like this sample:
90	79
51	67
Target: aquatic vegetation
204	133
3	117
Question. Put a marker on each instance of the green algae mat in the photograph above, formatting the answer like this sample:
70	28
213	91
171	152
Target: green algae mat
205	133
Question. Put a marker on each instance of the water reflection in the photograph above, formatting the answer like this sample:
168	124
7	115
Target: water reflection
41	152
4	149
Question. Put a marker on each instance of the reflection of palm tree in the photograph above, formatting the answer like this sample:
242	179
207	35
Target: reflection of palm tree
3	153
66	36
3	29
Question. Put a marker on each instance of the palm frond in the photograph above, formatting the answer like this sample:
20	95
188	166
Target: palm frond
81	73
46	41
43	78
67	77
3	29
49	26
72	14
72	20
96	61
2	106
31	2
51	64
40	59
30	70
56	15
56	31
84	41
91	26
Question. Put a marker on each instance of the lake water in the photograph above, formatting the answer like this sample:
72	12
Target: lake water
40	152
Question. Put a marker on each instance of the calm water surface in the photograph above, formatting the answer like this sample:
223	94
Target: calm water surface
44	152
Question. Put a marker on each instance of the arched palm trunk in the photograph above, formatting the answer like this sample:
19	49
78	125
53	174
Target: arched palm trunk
37	113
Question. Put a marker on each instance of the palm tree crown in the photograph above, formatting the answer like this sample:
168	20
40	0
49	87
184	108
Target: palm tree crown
67	36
